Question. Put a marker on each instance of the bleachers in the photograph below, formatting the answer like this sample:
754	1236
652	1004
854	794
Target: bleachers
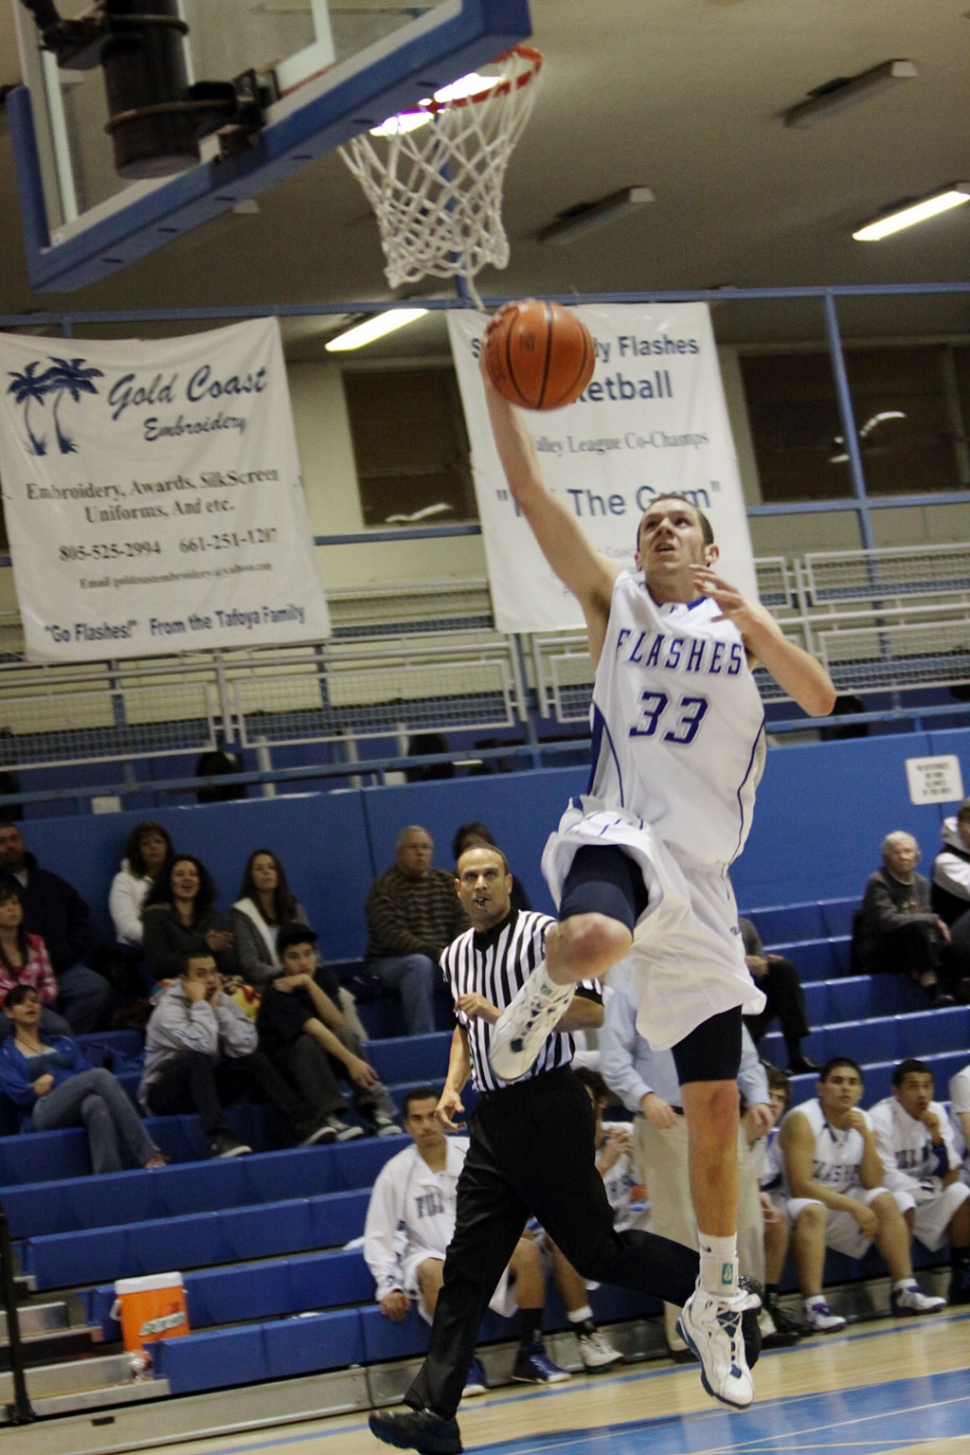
271	1289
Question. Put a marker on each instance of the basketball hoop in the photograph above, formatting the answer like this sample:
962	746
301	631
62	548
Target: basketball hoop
434	175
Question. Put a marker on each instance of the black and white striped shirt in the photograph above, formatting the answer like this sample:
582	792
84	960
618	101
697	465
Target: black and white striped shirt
496	965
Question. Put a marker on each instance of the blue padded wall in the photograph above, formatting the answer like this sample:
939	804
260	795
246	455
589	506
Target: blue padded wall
823	810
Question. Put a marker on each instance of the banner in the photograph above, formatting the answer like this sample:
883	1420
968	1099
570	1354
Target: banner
152	495
652	420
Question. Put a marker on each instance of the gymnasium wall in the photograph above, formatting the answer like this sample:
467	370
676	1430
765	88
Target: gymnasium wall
823	810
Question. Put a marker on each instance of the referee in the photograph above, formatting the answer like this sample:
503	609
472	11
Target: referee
531	1154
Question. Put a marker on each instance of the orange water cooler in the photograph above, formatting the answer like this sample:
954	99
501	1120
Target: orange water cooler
151	1308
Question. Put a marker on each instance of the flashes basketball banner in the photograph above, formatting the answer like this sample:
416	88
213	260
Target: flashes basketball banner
152	495
652	419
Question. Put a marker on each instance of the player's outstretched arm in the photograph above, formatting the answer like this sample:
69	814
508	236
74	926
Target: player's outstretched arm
581	568
796	671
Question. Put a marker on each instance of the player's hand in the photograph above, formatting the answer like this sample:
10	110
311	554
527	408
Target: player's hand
659	1113
757	964
867	1220
855	1119
476	1007
618	1143
771	1215
622	1139
931	1122
43	1084
750	617
758	1120
361	1072
395	1305
449	1106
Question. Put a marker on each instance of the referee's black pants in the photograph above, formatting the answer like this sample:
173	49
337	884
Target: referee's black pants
532	1155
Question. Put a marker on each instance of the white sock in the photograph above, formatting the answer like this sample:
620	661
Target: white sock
719	1264
540	983
580	1315
903	1283
811	1298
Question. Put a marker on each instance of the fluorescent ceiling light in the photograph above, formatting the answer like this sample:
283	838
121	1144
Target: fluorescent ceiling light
913	212
846	91
589	216
374	328
470	85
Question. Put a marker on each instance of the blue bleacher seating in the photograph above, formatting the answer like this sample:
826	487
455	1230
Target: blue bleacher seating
411	1058
781	924
837	916
930	1032
813	959
873	1039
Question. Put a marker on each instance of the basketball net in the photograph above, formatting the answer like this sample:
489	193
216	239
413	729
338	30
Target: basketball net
434	176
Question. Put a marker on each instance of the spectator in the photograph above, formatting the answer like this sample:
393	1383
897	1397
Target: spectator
921	1168
950	893
52	1083
24	961
265	904
55	911
201	1054
778	978
646	1082
147	848
467	836
896	931
180	918
780	1214
415	1196
305	1033
412	914
830	1156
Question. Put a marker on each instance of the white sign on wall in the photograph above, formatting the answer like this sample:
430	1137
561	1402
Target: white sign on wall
652	420
934	780
153	496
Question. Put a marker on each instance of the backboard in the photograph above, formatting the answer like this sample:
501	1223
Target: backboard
325	70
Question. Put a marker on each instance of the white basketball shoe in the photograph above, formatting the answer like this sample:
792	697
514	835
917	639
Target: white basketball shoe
711	1329
521	1029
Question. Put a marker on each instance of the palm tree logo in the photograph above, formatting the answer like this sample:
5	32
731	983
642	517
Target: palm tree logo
65	376
28	389
69	376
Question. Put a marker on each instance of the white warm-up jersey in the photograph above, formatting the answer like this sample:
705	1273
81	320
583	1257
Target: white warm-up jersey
838	1154
411	1210
905	1147
677	722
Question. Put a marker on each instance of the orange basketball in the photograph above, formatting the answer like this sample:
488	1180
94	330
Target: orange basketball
539	355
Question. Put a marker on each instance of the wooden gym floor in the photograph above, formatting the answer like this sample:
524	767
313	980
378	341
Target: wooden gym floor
881	1389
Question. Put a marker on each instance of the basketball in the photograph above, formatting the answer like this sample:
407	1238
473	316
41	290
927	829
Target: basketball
539	355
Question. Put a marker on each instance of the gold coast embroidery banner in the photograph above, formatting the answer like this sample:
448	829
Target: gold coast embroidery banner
652	419
153	496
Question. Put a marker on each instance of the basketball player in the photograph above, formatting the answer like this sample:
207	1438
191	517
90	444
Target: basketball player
531	1151
831	1156
641	864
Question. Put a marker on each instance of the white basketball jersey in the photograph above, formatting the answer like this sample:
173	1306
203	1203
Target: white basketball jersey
838	1154
677	722
906	1147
